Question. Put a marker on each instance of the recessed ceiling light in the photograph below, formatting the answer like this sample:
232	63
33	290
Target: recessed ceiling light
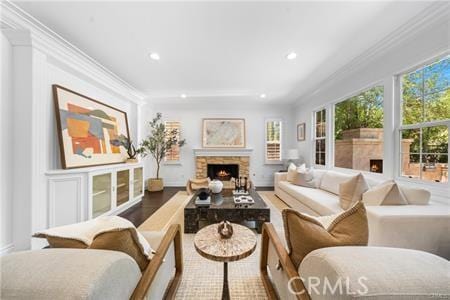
183	96
154	56
262	96
291	55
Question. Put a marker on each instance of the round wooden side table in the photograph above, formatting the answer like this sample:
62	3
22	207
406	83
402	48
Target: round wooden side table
210	245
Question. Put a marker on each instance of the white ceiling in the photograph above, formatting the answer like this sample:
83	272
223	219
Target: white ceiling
223	50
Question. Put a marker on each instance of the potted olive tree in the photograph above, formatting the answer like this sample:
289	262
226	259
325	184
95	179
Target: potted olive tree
157	143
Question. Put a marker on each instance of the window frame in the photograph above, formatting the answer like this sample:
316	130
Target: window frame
266	160
332	147
399	126
171	161
324	138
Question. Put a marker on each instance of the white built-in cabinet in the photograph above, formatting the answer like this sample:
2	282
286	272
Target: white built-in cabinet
82	194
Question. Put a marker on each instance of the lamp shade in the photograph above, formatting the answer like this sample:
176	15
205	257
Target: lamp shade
292	154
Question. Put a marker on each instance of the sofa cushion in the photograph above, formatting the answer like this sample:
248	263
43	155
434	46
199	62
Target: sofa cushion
322	202
68	274
380	273
351	191
305	233
331	180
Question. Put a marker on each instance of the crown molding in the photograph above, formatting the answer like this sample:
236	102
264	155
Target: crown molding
17	24
434	14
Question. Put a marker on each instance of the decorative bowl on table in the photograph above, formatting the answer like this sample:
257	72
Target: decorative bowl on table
215	186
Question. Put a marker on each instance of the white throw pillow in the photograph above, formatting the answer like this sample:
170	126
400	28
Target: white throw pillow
292	170
331	180
415	196
305	178
386	193
351	191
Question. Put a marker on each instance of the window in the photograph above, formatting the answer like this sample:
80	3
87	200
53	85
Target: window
425	121
319	137
173	129
358	131
273	141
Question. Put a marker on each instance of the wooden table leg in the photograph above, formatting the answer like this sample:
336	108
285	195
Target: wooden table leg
225	291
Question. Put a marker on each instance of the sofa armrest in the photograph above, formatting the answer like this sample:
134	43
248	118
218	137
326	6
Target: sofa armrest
270	236
279	176
173	235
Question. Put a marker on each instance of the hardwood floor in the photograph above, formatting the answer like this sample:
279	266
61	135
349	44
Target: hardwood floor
151	201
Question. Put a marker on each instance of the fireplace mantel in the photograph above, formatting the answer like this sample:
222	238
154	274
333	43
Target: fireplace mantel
223	152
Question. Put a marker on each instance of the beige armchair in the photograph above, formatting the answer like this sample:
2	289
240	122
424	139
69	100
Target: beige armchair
195	184
62	273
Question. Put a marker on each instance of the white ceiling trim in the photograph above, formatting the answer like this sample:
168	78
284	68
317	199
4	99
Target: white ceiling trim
52	44
433	14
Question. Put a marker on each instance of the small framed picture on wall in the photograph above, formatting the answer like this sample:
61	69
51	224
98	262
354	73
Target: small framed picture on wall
301	132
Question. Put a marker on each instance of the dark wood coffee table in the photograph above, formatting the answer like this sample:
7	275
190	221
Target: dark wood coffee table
223	208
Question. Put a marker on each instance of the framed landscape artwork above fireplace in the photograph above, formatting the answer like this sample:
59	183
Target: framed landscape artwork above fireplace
223	133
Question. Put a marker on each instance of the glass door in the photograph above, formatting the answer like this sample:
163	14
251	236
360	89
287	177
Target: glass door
137	182
101	194
122	187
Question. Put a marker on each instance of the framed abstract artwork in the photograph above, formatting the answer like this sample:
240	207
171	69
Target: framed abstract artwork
223	133
90	132
301	132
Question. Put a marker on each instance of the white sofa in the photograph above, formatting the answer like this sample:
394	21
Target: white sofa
417	226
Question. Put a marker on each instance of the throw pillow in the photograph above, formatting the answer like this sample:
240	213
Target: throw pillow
386	193
304	178
415	196
292	169
109	233
305	233
351	191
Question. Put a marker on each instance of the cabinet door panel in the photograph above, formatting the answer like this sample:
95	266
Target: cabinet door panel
101	194
138	188
122	187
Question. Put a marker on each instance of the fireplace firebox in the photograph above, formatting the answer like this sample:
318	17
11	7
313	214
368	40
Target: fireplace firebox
223	172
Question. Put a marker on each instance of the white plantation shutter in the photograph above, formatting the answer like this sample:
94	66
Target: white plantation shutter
273	140
174	153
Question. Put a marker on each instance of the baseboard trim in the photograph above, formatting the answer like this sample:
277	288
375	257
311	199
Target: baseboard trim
6	249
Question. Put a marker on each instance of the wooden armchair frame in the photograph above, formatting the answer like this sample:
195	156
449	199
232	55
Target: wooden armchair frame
269	235
173	234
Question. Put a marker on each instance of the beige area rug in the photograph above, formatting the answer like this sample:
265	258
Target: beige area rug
203	278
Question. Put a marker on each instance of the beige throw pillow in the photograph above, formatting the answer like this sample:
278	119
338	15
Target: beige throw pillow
305	234
304	178
386	193
352	190
292	169
108	233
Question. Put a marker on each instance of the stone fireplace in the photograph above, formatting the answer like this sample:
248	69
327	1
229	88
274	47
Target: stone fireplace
234	163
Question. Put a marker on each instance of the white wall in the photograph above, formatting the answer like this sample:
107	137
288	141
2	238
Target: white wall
191	115
35	143
6	150
426	43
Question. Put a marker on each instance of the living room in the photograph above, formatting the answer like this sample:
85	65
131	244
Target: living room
245	148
